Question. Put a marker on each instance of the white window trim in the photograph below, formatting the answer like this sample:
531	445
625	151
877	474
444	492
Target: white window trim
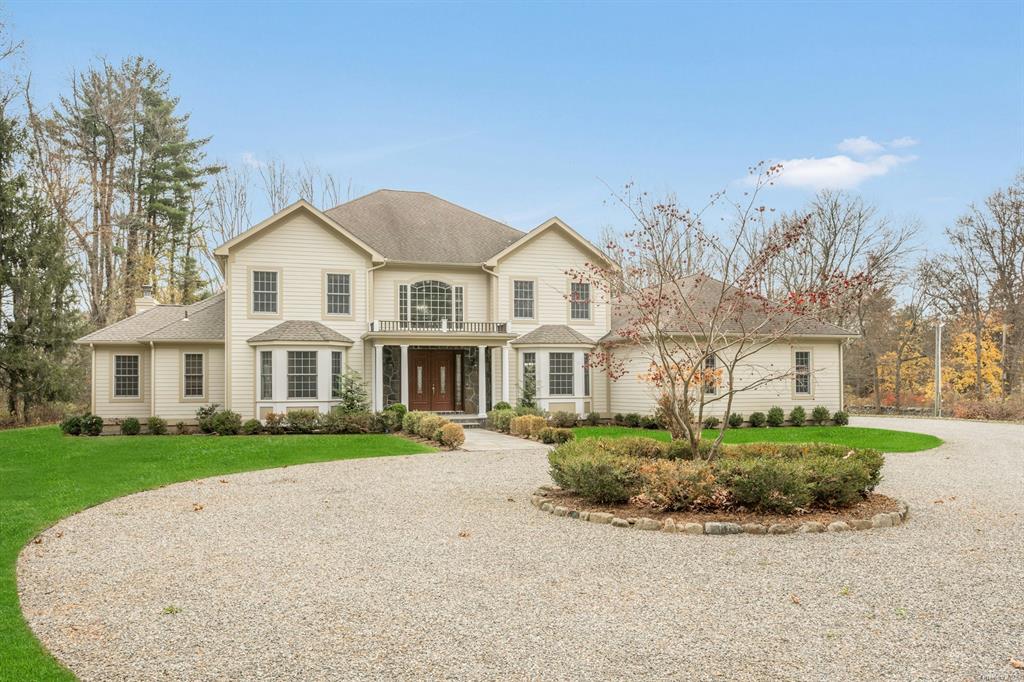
181	376
259	374
113	379
572	374
327	315
287	374
714	387
590	305
330	370
253	269
512	298
809	395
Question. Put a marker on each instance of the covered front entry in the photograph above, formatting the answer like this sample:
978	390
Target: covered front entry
432	380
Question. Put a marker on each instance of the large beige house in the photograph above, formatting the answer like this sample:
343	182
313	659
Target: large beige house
433	305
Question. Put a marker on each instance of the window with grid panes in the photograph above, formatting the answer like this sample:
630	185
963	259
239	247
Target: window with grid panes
126	376
302	374
560	374
264	291
193	380
339	294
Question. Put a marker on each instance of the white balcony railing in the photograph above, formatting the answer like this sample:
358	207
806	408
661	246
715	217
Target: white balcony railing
440	326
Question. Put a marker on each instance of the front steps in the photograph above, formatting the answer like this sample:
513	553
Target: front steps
467	420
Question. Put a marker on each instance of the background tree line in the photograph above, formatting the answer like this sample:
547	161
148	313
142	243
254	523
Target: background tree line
107	188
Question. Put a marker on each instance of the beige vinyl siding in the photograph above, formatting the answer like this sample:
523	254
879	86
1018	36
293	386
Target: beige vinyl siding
598	391
545	260
630	394
386	281
301	249
169	402
109	407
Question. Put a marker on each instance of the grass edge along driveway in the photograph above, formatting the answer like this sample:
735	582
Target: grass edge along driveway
45	476
885	440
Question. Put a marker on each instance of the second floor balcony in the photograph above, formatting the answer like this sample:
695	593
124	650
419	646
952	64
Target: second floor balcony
442	326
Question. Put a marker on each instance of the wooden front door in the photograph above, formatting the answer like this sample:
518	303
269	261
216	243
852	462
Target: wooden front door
431	380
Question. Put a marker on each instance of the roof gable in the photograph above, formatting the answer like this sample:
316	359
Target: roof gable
299	206
545	227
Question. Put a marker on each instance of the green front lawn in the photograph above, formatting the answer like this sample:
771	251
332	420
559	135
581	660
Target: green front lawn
853	436
45	476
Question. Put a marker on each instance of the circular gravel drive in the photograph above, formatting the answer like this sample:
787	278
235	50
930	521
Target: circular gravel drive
436	565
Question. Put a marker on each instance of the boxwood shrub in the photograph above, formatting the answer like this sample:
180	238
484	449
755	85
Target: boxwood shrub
797	416
757	419
820	414
776	417
130	426
595	474
156	426
735	420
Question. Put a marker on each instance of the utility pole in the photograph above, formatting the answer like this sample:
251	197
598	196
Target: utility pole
938	368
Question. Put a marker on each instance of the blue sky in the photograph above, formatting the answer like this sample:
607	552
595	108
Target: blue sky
523	111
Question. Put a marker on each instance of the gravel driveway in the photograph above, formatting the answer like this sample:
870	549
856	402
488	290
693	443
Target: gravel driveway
433	566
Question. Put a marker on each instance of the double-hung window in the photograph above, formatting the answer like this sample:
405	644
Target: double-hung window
802	372
336	373
126	376
266	375
338	293
302	374
264	292
529	376
561	372
523	299
586	374
710	376
579	301
193	375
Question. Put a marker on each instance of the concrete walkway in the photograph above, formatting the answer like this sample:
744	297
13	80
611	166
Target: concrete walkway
479	440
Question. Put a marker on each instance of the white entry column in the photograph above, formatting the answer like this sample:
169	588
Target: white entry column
405	374
482	383
504	373
378	377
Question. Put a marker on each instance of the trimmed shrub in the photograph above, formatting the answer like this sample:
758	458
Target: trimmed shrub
500	420
735	420
251	427
649	422
619	419
631	420
303	421
155	426
527	426
528	411
776	417
226	423
797	416
820	414
837	482
130	426
274	423
563	420
680	449
634	446
71	425
769	485
452	435
551	434
398	409
501	405
712	422
592	419
757	419
182	429
339	421
411	421
677	485
841	418
593	473
204	417
429	427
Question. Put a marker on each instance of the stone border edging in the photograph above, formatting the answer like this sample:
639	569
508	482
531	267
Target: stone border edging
883	520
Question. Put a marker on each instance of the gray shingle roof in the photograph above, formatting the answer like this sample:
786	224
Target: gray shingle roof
300	330
419	227
202	321
553	334
703	295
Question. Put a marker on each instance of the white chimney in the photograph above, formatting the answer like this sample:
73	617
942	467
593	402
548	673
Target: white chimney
147	301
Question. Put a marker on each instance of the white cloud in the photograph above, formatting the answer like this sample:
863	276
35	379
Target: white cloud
860	146
250	160
836	172
903	142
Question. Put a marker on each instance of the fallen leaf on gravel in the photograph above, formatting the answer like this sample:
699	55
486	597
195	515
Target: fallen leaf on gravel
38	540
223	480
1014	663
939	502
60	533
463	533
197	507
795	599
511	499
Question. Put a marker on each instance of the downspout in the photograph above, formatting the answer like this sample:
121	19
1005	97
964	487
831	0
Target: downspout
92	389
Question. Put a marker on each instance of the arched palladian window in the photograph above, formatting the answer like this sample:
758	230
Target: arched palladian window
430	300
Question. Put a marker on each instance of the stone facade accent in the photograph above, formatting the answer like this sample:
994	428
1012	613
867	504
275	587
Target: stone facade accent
884	520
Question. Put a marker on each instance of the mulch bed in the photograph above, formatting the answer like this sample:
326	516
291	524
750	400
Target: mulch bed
873	504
